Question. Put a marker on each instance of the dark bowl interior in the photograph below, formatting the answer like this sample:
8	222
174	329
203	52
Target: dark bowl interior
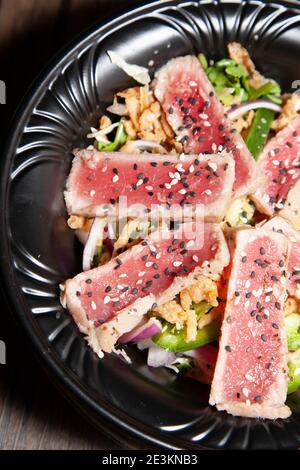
39	251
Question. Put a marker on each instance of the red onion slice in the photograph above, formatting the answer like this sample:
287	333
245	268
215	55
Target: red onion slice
244	108
158	357
91	246
148	329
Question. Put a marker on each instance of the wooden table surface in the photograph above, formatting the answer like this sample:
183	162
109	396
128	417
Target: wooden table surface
33	414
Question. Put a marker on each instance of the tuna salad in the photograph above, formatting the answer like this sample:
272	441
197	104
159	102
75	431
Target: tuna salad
187	205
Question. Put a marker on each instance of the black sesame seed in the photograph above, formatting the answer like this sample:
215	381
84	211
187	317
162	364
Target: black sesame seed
228	348
167	271
134	291
135	167
89	294
115	171
134	186
88	281
252	274
248	295
236	293
78	293
154	164
112	201
156	276
258	318
257	398
149	283
264	338
253	313
262	251
244	259
198	172
275	326
171	110
275	278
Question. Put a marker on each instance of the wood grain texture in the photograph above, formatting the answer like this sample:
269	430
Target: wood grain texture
33	414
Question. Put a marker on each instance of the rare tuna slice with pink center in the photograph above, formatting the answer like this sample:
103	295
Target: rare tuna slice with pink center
279	225
134	185
198	118
251	372
280	164
112	299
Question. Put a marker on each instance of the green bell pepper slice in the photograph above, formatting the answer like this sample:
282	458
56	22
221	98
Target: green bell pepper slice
259	130
119	140
292	326
294	372
174	340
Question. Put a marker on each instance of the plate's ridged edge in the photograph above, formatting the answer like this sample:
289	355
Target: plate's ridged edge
32	150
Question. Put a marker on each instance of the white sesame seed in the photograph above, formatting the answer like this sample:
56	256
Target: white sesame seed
177	264
93	305
182	191
247	284
266	312
203	116
139	282
206	124
192	169
208	192
149	188
190	243
115	178
192	83
92	193
214	149
174	181
237	300
139	182
167	186
195	258
247	303
123	275
248	402
245	391
141	274
148	264
213	165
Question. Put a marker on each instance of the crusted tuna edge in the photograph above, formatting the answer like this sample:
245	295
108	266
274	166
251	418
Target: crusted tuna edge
213	212
160	85
279	223
258	196
254	411
235	407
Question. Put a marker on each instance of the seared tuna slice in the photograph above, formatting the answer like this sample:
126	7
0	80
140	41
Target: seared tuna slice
280	163
100	182
197	117
112	299
251	372
277	224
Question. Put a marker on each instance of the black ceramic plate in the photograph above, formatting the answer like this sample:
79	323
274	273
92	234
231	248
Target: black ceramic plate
38	250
